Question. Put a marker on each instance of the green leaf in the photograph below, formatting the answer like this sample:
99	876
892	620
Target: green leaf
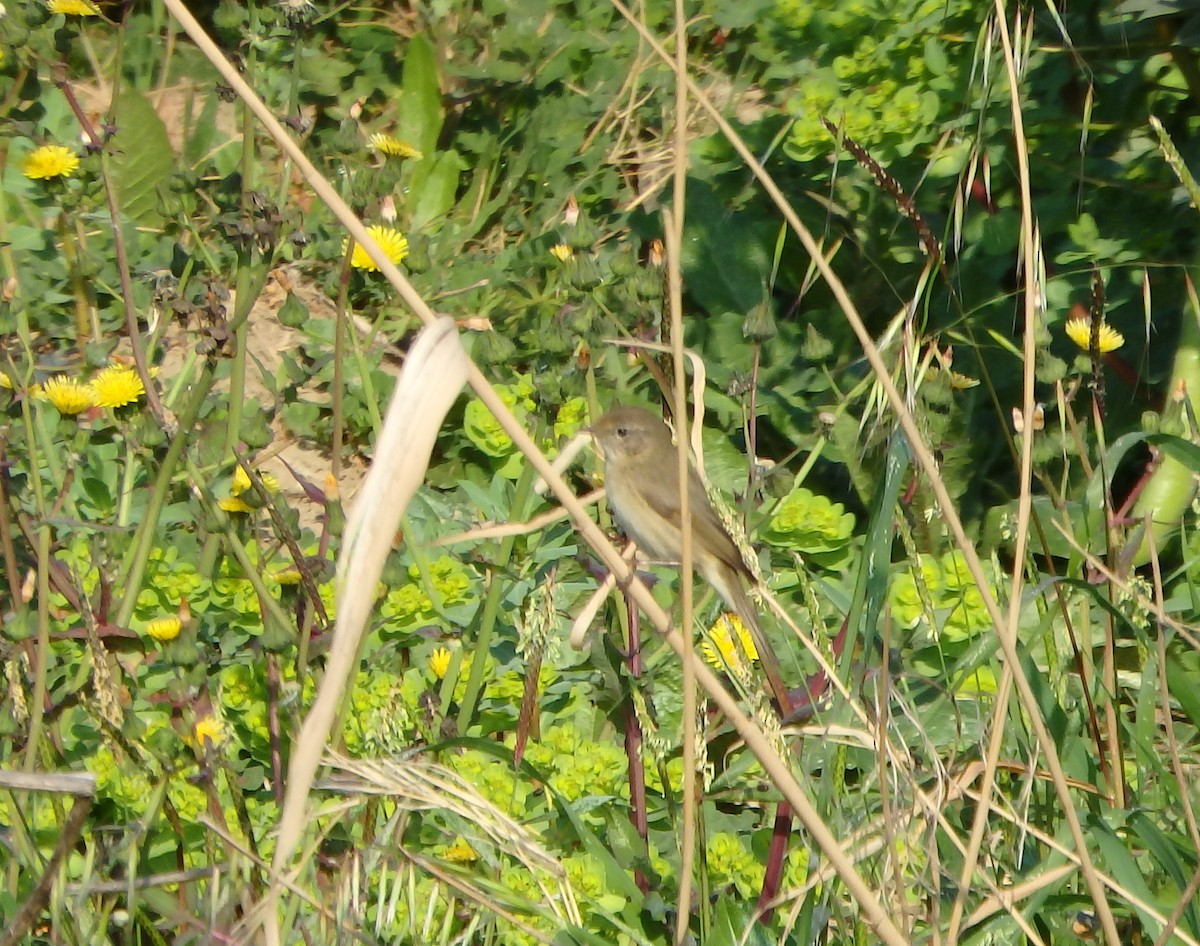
1183	682
436	188
421	99
1166	855
141	157
1124	868
727	254
202	133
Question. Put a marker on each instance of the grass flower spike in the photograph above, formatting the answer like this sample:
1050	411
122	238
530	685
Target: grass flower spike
392	242
48	162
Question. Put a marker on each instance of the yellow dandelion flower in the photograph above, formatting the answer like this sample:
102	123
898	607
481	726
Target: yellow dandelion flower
117	386
5	381
72	8
561	252
208	729
234	504
461	852
743	635
68	395
719	650
394	147
241	482
439	662
1080	332
722	650
164	629
49	161
711	656
392	242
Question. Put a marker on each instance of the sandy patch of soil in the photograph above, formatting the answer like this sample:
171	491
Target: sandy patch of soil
266	340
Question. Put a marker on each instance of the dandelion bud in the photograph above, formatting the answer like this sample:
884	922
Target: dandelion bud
759	324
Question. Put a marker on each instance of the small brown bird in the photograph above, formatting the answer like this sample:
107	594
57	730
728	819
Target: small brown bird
640	475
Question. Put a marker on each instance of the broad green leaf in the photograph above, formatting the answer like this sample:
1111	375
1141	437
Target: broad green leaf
1183	681
1166	854
436	189
202	132
1124	868
726	255
421	99
141	157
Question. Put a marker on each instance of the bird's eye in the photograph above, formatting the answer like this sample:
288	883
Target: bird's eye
622	431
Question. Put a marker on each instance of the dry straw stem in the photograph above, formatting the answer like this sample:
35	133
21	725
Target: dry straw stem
1008	630
777	768
1127	896
673	234
873	838
430	382
418	785
1005	629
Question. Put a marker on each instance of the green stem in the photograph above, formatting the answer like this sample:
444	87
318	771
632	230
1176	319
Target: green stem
491	606
251	570
38	707
128	478
237	374
143	542
339	357
364	376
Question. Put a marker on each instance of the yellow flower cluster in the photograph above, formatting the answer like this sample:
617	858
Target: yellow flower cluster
460	852
112	387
